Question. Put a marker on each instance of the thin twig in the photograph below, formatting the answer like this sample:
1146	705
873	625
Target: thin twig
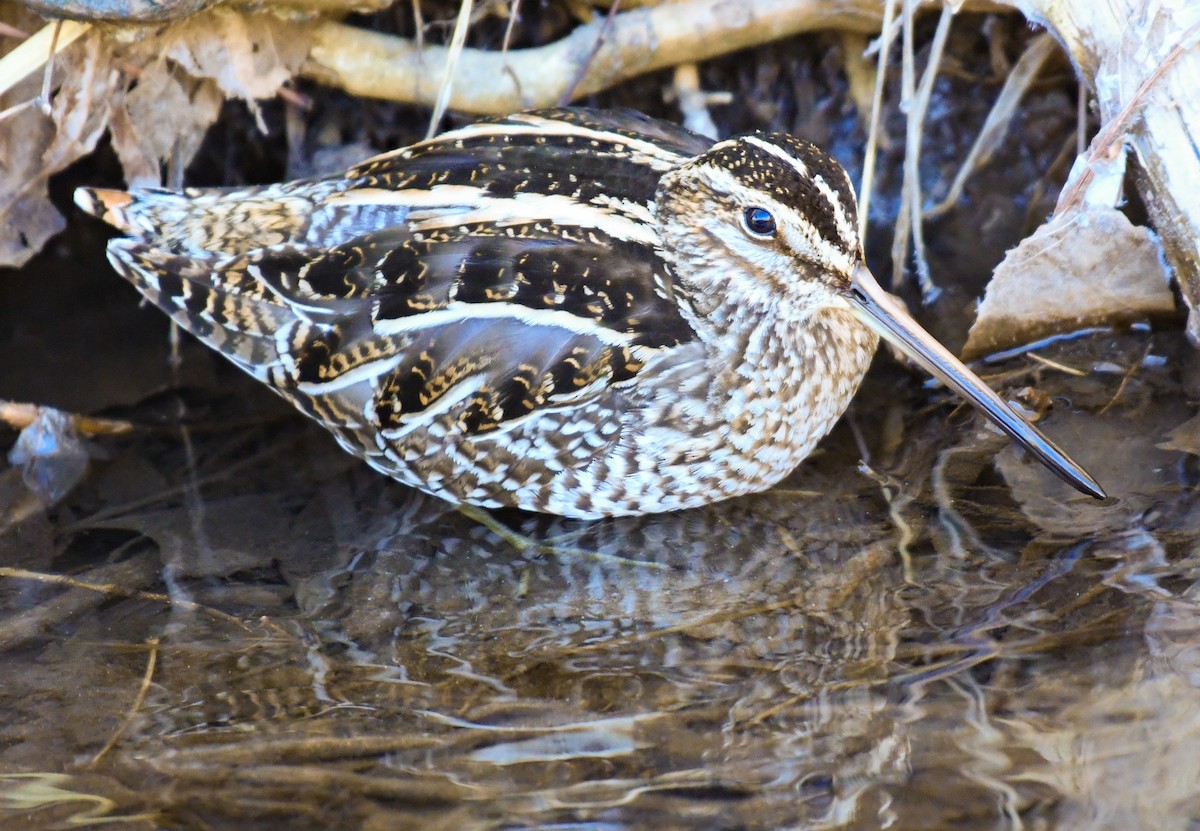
19	416
151	661
569	93
1016	84
458	41
513	14
916	103
32	54
874	126
121	591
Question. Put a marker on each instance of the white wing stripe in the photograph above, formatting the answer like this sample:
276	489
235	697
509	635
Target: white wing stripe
363	372
421	418
451	206
456	312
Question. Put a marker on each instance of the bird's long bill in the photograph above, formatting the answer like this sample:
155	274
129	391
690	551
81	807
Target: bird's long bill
881	312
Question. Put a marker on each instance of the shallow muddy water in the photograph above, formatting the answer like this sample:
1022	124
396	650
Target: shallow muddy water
260	633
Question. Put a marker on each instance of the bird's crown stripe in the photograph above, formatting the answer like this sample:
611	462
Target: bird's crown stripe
779	153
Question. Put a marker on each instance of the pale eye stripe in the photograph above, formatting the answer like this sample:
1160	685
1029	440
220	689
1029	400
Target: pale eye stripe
808	242
846	229
820	250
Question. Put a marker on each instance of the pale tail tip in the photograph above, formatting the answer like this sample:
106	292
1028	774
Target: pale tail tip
104	203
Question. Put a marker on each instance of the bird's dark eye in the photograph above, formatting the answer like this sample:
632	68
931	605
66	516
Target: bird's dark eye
759	222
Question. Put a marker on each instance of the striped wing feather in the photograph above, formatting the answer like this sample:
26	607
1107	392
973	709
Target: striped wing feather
585	154
471	281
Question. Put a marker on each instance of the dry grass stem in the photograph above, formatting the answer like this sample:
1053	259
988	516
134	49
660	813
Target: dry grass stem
458	41
1069	370
915	100
33	53
874	126
514	14
116	590
418	24
1018	82
902	231
151	661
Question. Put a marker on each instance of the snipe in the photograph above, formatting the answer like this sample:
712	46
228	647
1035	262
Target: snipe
579	312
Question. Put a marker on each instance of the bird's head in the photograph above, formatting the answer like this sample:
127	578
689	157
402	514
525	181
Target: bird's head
763	217
768	223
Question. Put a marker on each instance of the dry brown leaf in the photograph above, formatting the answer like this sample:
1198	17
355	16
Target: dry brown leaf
183	73
37	146
34	145
164	117
186	73
1084	268
250	56
27	219
82	104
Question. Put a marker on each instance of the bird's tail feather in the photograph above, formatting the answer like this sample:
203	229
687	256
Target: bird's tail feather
216	221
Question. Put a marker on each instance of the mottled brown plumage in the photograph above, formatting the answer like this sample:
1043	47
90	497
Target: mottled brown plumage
570	311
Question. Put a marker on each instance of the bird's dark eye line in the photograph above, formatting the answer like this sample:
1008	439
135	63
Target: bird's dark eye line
759	222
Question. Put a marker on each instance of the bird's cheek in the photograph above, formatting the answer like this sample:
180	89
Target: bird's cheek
777	262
